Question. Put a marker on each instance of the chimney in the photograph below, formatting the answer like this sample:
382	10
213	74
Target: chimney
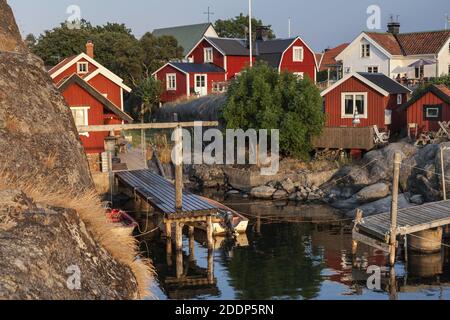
90	49
394	26
262	33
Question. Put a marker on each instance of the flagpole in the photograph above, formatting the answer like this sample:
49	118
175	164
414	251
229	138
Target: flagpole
250	31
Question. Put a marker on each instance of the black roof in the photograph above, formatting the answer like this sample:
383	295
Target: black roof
431	88
271	51
384	82
197	67
231	47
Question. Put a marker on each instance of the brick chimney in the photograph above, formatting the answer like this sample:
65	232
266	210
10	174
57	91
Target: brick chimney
90	49
262	33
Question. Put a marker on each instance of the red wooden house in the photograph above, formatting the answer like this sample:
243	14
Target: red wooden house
212	56
372	98
93	93
426	110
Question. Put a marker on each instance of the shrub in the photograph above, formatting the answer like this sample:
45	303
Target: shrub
261	98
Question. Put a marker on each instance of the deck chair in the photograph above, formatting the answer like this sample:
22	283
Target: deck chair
381	137
444	131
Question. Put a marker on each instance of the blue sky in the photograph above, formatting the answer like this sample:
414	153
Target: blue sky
322	23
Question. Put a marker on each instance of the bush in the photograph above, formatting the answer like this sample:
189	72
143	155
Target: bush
261	98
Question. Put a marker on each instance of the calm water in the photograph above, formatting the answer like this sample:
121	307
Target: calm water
290	252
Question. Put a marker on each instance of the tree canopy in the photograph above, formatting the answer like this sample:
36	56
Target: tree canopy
237	27
115	47
261	98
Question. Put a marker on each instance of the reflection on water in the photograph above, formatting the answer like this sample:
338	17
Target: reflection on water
308	257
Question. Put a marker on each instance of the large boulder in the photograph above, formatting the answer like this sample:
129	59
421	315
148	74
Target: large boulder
380	206
10	39
372	193
263	192
50	246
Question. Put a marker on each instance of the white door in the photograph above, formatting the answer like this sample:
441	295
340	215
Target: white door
201	88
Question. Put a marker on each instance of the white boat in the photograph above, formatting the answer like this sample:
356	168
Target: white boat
227	220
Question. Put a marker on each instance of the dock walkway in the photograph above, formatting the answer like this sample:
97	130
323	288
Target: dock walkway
160	194
377	228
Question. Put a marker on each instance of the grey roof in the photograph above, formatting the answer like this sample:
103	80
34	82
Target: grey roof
271	51
231	47
187	36
197	67
384	82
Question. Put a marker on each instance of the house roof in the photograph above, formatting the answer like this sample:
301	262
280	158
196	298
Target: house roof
230	47
328	58
187	36
60	65
197	67
441	91
415	43
272	51
75	79
389	85
377	81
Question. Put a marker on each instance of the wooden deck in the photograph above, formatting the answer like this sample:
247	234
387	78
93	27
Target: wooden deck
346	138
410	220
160	194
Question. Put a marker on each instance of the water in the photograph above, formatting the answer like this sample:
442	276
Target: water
308	257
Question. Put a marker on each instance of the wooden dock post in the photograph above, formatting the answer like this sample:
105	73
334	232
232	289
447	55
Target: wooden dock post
178	168
179	236
209	232
394	208
191	244
211	266
179	265
444	188
358	219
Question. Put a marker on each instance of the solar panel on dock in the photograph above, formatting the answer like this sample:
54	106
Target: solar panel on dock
409	220
160	193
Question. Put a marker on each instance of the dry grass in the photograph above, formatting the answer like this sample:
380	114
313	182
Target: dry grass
164	148
88	205
50	161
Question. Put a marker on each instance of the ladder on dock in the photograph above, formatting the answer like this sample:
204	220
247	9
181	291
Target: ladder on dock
375	230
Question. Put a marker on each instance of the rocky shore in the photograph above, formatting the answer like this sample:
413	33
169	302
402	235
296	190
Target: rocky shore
365	184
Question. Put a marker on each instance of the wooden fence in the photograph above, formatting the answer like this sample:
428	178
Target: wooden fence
346	138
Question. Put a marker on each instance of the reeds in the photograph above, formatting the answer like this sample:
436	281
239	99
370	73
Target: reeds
88	205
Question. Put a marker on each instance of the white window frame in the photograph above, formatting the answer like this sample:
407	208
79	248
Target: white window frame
86	117
299	75
432	108
354	94
302	54
169	86
365	50
208	55
83	63
373	67
399	99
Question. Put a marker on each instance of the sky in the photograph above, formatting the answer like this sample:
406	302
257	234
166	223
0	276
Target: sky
321	23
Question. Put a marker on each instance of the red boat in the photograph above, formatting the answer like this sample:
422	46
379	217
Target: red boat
124	223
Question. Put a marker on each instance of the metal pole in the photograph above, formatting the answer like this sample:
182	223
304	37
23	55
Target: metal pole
444	189
289	22
250	31
394	207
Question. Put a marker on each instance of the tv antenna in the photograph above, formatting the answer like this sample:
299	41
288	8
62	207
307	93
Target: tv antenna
209	13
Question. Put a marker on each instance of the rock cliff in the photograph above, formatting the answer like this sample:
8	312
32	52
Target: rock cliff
50	219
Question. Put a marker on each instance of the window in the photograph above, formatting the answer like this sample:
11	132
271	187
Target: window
80	115
432	112
372	69
365	51
82	67
298	54
171	81
299	75
354	103
419	72
399	99
208	53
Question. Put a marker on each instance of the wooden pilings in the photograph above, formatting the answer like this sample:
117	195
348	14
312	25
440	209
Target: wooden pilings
444	189
178	162
209	233
394	208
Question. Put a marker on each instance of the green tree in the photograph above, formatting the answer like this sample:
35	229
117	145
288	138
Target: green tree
237	27
443	80
146	94
261	98
30	41
159	50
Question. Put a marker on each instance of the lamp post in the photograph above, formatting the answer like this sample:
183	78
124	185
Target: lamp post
250	38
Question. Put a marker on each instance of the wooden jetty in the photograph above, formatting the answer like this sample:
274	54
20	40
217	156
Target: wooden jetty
381	231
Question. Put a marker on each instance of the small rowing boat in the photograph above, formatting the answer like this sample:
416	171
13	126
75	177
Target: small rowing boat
123	222
226	221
